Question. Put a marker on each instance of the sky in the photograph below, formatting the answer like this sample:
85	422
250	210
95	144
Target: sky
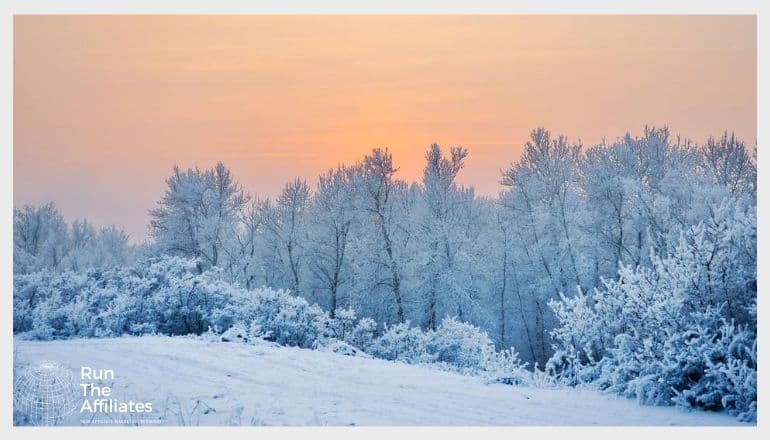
105	106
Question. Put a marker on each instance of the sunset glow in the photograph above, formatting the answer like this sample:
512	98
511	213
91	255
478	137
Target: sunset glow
105	106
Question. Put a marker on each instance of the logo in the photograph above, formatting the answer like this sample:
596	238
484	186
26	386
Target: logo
98	398
46	393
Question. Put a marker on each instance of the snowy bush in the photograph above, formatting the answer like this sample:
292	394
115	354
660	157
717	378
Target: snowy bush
711	365
403	343
163	295
343	323
298	324
721	369
460	344
681	331
169	295
465	347
504	366
281	317
48	289
49	320
362	335
454	345
173	296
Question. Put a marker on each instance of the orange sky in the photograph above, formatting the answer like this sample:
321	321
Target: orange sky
105	106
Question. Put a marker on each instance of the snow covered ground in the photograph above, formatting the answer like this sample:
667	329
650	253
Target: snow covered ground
195	382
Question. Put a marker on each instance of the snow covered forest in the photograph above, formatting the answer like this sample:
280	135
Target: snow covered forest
629	266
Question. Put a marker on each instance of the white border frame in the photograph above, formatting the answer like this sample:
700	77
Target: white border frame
9	8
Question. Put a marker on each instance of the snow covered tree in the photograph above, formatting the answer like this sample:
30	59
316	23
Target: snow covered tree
284	224
730	163
197	216
113	247
39	238
378	200
544	195
82	237
250	262
333	218
441	233
44	241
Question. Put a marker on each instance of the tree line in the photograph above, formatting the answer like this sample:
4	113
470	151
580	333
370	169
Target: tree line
566	219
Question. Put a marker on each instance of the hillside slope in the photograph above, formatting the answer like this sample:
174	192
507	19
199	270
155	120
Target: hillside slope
194	382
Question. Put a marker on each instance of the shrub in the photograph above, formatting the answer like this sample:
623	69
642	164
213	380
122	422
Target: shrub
362	335
281	317
341	326
460	344
172	296
297	323
402	343
682	331
714	370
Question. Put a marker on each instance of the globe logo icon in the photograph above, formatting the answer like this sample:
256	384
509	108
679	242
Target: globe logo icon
46	393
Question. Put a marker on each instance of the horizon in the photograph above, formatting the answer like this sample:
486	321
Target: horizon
276	97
